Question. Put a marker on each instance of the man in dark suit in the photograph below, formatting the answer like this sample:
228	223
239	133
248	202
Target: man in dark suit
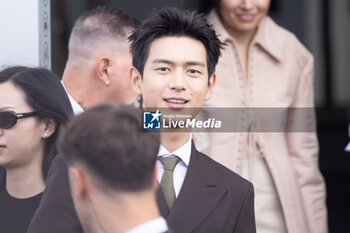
174	62
99	59
210	203
97	71
112	174
174	57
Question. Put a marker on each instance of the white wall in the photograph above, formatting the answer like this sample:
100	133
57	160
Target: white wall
23	38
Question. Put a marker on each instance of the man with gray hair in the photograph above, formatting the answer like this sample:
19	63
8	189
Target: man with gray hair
97	69
97	72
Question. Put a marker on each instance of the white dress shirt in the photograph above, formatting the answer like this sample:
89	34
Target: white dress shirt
77	109
184	153
157	225
347	148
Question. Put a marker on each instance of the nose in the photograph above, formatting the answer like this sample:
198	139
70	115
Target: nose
178	81
1	131
247	4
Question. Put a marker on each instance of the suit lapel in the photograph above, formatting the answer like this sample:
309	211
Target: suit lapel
199	195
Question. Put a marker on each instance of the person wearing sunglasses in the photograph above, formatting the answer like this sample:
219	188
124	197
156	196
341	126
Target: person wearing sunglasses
33	104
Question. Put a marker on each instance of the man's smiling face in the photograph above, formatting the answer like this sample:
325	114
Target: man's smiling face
175	74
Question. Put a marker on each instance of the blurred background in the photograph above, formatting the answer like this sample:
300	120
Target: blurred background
323	26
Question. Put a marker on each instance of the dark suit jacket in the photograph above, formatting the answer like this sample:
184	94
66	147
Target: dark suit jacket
56	212
213	199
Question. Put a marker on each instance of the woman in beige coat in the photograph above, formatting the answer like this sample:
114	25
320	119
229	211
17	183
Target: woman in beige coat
265	66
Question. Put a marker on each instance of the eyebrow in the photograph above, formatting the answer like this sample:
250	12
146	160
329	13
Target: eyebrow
189	63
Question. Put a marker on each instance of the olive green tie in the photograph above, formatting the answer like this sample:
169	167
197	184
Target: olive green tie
166	183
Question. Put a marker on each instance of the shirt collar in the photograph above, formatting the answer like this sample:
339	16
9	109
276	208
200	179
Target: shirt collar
219	28
77	109
157	225
134	102
347	148
267	35
184	152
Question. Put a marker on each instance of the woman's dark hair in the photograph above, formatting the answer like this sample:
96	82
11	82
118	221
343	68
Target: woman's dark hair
206	5
46	95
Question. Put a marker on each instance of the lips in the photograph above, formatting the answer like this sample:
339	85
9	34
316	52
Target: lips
175	102
246	17
2	147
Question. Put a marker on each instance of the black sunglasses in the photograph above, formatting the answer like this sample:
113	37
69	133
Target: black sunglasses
9	118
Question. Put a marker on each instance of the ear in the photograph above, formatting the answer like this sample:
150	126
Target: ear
211	85
136	80
50	126
78	183
103	70
155	178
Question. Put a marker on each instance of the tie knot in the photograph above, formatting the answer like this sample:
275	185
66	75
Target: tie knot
169	163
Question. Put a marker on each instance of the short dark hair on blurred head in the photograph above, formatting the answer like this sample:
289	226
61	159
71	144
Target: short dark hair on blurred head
98	25
103	20
108	141
171	21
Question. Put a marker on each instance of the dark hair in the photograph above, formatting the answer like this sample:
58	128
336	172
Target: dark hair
108	140
206	5
103	22
171	21
45	94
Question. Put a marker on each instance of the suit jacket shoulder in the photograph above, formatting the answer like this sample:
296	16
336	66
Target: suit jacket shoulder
223	174
212	199
56	212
